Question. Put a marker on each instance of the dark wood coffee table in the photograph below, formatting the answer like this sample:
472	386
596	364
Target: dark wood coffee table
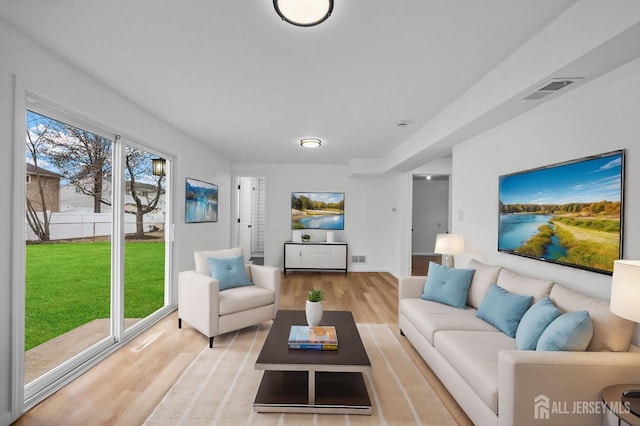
310	381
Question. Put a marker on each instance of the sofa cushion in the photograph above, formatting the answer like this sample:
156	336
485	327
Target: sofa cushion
474	355
534	322
520	284
240	299
430	317
200	258
229	271
503	309
447	285
610	332
483	277
569	332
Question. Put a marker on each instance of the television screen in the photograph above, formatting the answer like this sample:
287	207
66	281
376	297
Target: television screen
317	210
569	213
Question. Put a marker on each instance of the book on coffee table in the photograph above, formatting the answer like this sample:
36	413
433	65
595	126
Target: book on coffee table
313	337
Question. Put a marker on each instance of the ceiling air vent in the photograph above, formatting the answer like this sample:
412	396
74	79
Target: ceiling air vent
549	88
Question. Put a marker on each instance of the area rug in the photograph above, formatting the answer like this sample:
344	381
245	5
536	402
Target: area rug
219	387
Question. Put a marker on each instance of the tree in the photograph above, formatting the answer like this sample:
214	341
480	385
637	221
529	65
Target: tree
138	169
38	133
84	160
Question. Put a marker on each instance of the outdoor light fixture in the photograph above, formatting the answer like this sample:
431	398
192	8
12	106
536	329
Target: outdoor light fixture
304	13
310	142
159	166
448	245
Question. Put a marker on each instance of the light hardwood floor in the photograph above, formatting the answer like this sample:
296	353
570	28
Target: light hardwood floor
125	388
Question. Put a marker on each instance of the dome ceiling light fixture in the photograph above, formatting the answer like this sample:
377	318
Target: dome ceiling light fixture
304	13
310	142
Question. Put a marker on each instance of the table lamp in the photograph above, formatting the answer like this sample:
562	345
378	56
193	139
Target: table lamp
448	245
625	302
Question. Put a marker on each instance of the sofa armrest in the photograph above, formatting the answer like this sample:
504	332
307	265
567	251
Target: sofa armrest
267	277
199	302
410	287
565	386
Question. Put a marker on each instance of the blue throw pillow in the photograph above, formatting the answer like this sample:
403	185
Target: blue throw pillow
229	271
534	322
447	285
503	309
569	332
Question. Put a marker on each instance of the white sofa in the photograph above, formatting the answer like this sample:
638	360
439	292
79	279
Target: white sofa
213	312
497	384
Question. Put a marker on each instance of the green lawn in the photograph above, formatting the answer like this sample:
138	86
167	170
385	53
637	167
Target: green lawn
68	285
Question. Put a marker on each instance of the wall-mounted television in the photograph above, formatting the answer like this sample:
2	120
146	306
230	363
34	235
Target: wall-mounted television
568	213
317	210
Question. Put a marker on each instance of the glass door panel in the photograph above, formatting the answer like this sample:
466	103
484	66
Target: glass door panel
68	229
144	227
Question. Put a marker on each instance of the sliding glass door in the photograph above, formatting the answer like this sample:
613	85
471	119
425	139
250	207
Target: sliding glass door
97	252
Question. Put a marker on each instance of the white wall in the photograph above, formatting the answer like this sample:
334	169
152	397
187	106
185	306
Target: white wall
600	116
370	221
27	66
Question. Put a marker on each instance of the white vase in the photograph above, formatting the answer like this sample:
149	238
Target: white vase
313	310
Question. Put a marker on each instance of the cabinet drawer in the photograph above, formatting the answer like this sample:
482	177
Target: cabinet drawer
315	249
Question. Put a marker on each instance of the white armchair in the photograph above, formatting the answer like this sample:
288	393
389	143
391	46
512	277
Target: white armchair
213	312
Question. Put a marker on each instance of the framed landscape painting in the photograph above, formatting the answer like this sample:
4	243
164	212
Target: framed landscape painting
317	210
201	201
569	213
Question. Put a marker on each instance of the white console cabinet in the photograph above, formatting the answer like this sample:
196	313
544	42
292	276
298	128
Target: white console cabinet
329	256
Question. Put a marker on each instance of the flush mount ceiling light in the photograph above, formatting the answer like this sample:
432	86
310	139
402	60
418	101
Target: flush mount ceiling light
304	13
310	142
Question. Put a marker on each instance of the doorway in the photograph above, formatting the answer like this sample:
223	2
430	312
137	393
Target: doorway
250	217
430	216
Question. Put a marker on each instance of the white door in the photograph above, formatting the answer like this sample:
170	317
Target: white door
244	215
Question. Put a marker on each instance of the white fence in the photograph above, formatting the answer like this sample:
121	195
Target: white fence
67	225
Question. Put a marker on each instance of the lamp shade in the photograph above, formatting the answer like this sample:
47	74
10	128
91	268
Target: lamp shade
625	289
449	244
304	13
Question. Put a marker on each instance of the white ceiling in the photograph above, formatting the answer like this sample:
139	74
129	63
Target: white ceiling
234	76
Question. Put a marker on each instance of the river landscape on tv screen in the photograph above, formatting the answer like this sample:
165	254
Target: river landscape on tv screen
569	213
317	210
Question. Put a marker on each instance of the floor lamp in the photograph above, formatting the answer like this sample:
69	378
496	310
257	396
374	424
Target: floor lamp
449	245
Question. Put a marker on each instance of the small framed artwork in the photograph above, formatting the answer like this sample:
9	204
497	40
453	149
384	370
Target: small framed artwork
201	201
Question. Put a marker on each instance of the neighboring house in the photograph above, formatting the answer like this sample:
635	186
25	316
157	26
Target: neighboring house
146	192
73	200
51	187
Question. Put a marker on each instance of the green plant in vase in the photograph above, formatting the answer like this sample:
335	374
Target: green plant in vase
316	295
306	237
313	306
